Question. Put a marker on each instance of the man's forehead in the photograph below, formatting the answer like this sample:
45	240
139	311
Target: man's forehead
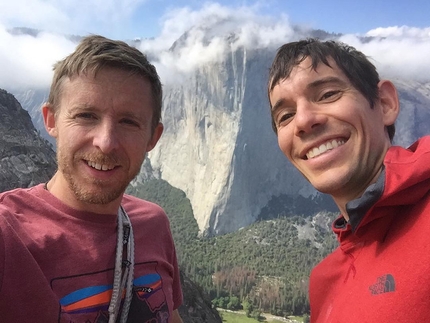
307	77
315	64
317	69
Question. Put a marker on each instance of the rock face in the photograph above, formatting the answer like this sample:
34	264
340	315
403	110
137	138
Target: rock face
35	98
414	118
25	158
218	146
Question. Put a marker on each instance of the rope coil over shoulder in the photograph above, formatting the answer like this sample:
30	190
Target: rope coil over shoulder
124	269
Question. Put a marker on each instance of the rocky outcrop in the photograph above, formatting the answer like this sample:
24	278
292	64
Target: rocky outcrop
196	307
25	158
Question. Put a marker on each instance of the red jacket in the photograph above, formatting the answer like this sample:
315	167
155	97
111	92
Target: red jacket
381	270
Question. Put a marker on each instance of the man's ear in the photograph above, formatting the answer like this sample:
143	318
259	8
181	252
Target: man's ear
155	137
49	120
389	101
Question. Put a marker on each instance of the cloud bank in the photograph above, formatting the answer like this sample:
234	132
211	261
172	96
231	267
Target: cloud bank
69	16
398	52
189	38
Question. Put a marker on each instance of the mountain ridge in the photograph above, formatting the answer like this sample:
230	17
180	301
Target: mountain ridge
218	145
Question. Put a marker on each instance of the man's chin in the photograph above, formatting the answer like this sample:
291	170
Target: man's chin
97	197
95	192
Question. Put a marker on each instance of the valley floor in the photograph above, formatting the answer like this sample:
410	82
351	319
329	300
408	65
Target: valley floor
232	317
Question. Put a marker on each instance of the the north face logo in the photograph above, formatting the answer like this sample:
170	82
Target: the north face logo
384	284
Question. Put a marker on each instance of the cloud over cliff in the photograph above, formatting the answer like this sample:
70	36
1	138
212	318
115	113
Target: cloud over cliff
26	61
69	16
189	38
398	52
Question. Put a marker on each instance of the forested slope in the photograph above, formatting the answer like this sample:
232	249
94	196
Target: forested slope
265	265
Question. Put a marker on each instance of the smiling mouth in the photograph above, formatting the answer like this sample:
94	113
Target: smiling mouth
316	151
101	167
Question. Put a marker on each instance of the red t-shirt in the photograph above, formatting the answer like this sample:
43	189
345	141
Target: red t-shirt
57	263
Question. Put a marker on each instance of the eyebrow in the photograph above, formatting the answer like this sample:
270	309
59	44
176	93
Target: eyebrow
326	80
313	85
82	106
276	106
90	108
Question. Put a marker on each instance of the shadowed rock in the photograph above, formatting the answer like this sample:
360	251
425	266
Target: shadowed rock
26	159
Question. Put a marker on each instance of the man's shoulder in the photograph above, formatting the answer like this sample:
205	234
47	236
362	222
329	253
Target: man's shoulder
131	199
422	143
145	214
12	192
416	155
17	202
134	204
18	193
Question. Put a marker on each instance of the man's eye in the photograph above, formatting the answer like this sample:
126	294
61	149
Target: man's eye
130	122
330	95
85	115
284	118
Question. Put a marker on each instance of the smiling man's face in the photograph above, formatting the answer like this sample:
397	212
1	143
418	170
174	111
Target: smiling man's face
328	130
103	131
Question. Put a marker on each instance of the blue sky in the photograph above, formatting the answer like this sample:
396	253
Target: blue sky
400	30
125	19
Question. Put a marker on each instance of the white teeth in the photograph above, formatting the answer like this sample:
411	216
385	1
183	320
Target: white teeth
314	152
99	166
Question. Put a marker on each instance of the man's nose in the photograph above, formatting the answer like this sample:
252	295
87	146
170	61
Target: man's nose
106	137
308	117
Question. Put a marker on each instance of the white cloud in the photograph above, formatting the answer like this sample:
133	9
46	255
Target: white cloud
397	52
32	14
68	16
200	35
400	32
27	61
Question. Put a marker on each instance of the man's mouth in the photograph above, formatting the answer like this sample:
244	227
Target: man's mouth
329	145
98	166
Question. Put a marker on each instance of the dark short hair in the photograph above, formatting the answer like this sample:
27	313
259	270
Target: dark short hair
95	52
354	64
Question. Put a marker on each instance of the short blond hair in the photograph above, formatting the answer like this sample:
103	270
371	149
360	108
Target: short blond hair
95	52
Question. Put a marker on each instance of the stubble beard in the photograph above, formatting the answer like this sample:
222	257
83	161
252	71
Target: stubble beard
103	193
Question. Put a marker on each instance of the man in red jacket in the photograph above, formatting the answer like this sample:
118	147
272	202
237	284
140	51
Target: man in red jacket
334	119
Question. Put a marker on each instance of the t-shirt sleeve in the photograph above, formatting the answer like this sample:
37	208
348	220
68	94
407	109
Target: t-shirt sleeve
4	229
177	289
2	252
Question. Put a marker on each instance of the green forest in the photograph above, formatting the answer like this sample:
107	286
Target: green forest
264	267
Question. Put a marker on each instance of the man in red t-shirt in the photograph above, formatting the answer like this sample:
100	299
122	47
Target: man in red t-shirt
77	249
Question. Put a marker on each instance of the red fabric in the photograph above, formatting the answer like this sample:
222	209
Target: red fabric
53	258
381	272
